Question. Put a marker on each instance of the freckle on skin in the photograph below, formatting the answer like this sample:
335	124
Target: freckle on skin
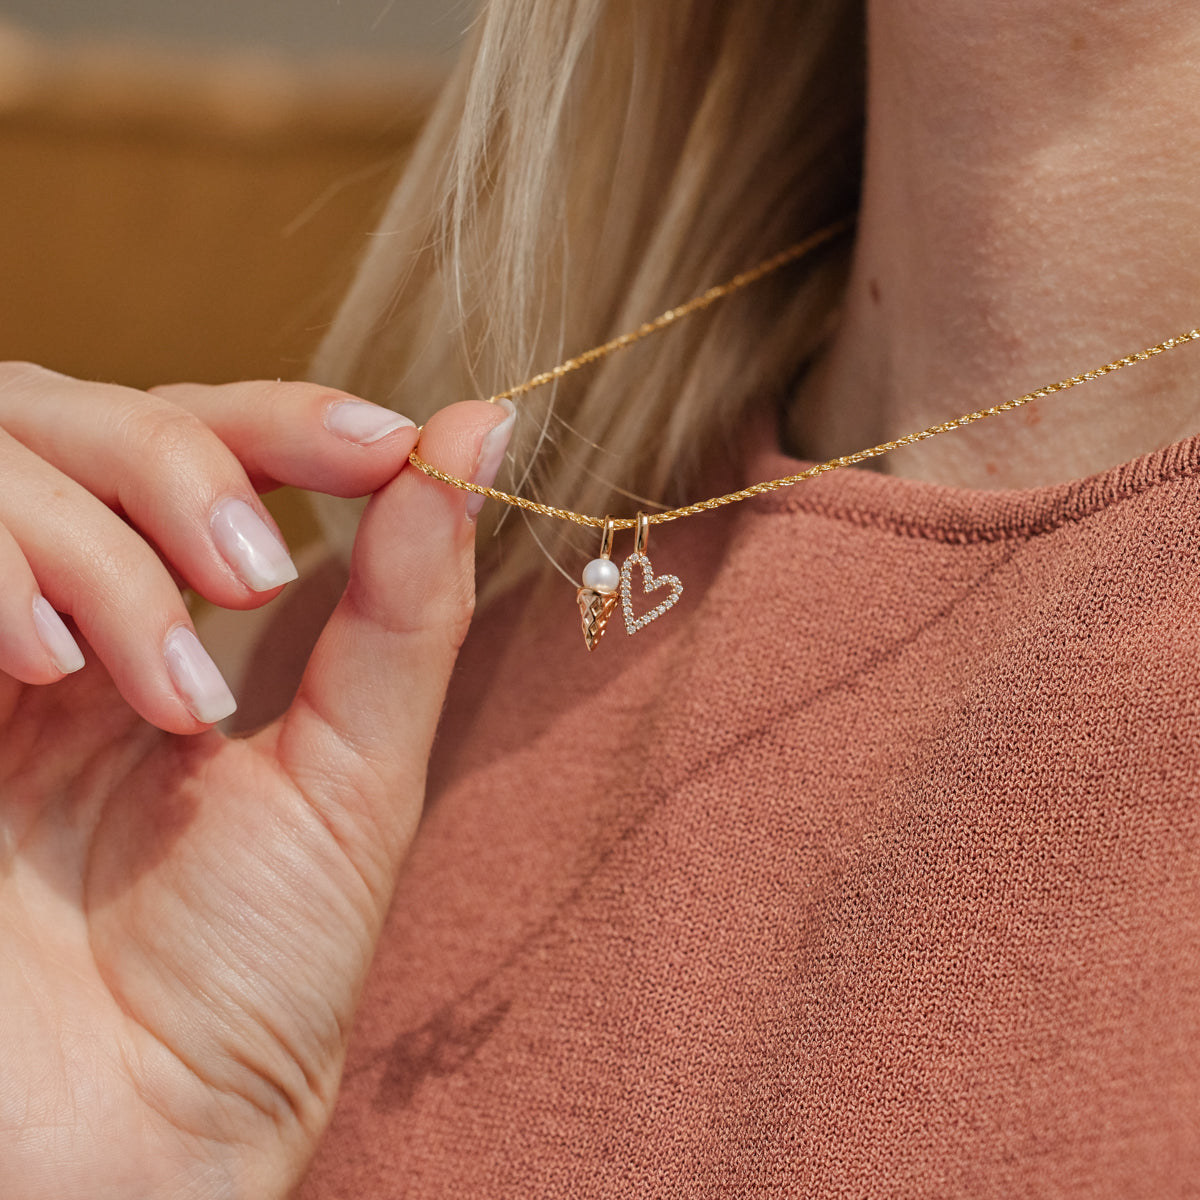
1032	417
991	468
873	288
1078	43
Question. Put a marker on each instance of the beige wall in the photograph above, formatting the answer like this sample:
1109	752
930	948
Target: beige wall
188	215
419	26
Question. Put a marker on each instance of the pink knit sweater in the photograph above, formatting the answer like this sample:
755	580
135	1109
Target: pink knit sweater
871	870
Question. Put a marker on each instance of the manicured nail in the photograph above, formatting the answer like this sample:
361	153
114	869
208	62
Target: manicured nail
56	637
491	456
249	546
196	677
362	422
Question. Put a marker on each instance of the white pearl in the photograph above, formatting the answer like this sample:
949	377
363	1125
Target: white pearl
601	575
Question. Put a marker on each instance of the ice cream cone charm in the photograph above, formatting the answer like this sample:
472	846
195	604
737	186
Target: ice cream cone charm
595	608
597	597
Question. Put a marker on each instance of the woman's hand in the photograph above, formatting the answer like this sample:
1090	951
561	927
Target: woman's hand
185	921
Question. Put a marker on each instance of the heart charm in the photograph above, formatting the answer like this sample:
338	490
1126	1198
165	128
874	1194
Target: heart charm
650	583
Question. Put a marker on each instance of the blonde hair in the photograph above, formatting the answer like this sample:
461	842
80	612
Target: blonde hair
589	164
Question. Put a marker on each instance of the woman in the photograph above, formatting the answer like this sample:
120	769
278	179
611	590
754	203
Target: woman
868	870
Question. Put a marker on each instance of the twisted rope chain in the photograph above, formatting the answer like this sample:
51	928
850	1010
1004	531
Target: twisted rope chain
711	296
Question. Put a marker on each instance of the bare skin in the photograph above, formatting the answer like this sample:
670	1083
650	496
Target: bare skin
1030	211
186	919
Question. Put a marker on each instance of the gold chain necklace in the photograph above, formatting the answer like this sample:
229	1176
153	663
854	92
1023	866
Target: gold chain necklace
603	585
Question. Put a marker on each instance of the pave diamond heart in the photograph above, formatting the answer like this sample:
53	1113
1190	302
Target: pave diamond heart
650	583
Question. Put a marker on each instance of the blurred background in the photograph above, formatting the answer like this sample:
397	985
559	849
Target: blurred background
388	26
185	187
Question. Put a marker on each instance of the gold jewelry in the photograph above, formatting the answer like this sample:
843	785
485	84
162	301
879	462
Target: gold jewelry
598	596
640	558
602	583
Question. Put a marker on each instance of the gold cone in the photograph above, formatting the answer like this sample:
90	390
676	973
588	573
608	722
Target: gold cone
595	608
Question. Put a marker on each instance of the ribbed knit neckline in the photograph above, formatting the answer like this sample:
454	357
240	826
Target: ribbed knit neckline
916	508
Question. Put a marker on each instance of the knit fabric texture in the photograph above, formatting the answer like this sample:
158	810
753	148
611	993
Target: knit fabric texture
870	870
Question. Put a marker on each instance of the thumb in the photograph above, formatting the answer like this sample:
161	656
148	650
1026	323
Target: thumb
356	739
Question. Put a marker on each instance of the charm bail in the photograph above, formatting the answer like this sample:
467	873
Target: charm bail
641	540
598	596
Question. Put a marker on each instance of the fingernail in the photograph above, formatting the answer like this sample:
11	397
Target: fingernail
362	422
491	456
249	546
196	677
56	637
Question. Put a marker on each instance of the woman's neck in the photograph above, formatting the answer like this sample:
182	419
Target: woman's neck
1030	211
